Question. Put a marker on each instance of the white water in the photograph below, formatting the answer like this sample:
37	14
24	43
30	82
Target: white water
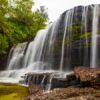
15	57
84	26
96	11
34	51
68	22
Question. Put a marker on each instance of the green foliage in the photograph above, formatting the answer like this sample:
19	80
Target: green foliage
76	34
68	41
76	29
3	44
18	23
87	34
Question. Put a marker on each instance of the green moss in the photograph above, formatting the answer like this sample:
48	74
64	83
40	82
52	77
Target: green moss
68	41
12	91
87	34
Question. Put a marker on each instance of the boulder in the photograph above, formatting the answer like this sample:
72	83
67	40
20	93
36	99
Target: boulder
88	76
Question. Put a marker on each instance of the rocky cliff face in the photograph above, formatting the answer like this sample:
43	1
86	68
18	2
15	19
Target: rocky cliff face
3	63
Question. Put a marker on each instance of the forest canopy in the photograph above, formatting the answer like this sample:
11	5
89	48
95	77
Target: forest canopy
18	23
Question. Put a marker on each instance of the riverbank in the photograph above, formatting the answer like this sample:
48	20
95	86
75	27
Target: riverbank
83	84
10	91
69	93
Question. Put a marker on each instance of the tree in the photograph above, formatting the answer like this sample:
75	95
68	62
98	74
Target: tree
18	23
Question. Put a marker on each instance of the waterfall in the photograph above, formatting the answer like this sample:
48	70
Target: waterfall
84	29
71	41
94	36
34	51
16	56
68	22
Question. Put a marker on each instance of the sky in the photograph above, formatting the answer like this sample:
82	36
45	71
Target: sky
56	7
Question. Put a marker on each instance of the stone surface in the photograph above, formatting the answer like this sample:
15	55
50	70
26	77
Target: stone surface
84	84
50	80
3	62
70	93
88	76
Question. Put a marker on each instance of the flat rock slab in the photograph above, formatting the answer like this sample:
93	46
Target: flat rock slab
50	80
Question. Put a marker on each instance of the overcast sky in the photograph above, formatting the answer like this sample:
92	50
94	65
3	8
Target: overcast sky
56	7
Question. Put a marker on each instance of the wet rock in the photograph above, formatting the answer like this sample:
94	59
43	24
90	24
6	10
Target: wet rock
51	80
86	77
37	78
34	89
3	62
69	80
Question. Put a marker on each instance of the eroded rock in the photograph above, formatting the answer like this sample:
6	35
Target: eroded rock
88	76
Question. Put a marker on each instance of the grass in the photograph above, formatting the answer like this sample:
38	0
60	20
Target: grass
12	91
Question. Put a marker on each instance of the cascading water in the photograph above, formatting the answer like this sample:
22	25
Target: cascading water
68	22
70	41
94	36
84	26
34	52
16	56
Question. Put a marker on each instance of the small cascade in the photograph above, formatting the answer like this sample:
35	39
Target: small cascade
14	68
43	81
16	56
50	83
